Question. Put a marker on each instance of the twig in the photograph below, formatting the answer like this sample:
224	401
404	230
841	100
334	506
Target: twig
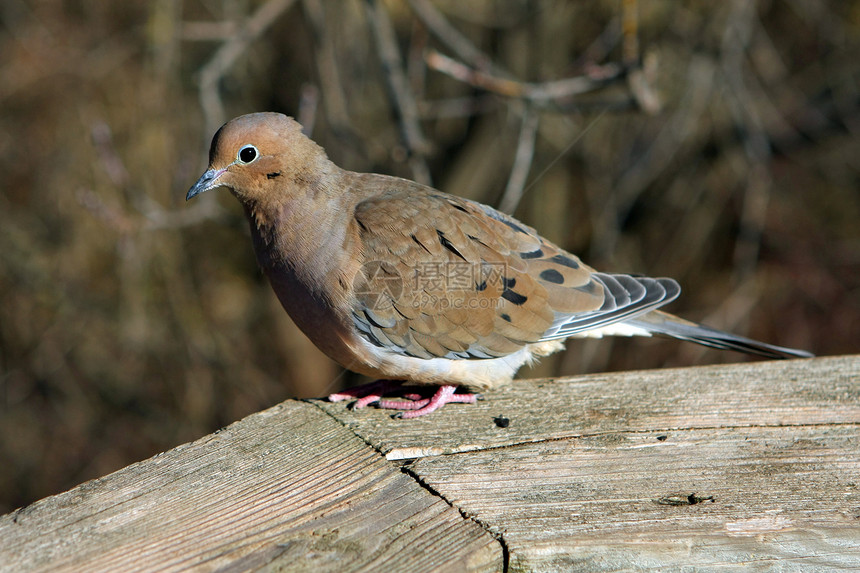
736	40
226	56
157	217
522	162
111	216
639	81
601	46
112	164
648	163
453	39
407	108
537	93
640	72
334	100
308	103
124	221
416	69
567	148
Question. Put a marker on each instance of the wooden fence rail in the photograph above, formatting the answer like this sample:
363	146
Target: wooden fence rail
753	466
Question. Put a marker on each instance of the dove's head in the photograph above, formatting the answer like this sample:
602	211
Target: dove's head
259	154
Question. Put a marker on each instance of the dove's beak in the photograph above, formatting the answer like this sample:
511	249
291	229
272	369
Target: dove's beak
206	182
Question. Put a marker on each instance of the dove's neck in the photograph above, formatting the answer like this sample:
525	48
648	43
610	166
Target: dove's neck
302	235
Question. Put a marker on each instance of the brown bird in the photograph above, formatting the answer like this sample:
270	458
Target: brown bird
399	281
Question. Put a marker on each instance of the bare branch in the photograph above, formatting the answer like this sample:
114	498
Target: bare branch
158	217
537	93
736	40
308	103
639	81
334	100
226	56
453	39
522	162
407	108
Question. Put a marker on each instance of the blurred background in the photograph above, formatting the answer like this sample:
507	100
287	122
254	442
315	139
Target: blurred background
713	142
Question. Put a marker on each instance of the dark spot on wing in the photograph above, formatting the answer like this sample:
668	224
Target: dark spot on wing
566	261
509	282
506	317
477	240
414	238
514	297
273	175
458	207
591	287
447	244
552	276
481	286
514	226
536	254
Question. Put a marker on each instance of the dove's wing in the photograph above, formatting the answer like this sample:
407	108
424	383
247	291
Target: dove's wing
447	277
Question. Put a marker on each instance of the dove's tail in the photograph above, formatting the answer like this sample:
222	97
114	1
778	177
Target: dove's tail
661	323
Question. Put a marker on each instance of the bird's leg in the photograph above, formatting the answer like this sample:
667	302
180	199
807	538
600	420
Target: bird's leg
415	404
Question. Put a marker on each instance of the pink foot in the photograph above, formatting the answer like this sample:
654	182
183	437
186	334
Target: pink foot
444	395
415	404
366	393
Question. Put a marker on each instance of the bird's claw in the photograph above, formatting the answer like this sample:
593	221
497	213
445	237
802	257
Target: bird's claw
414	404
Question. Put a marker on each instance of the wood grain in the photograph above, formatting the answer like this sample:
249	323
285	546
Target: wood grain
709	498
745	467
776	393
287	489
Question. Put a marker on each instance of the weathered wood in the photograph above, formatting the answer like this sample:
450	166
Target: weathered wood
776	393
287	489
753	466
713	498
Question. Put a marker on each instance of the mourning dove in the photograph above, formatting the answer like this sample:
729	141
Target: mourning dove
399	281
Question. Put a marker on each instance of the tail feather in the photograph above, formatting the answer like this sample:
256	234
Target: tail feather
662	323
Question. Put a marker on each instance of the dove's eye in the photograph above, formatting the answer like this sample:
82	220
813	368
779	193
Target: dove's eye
247	154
